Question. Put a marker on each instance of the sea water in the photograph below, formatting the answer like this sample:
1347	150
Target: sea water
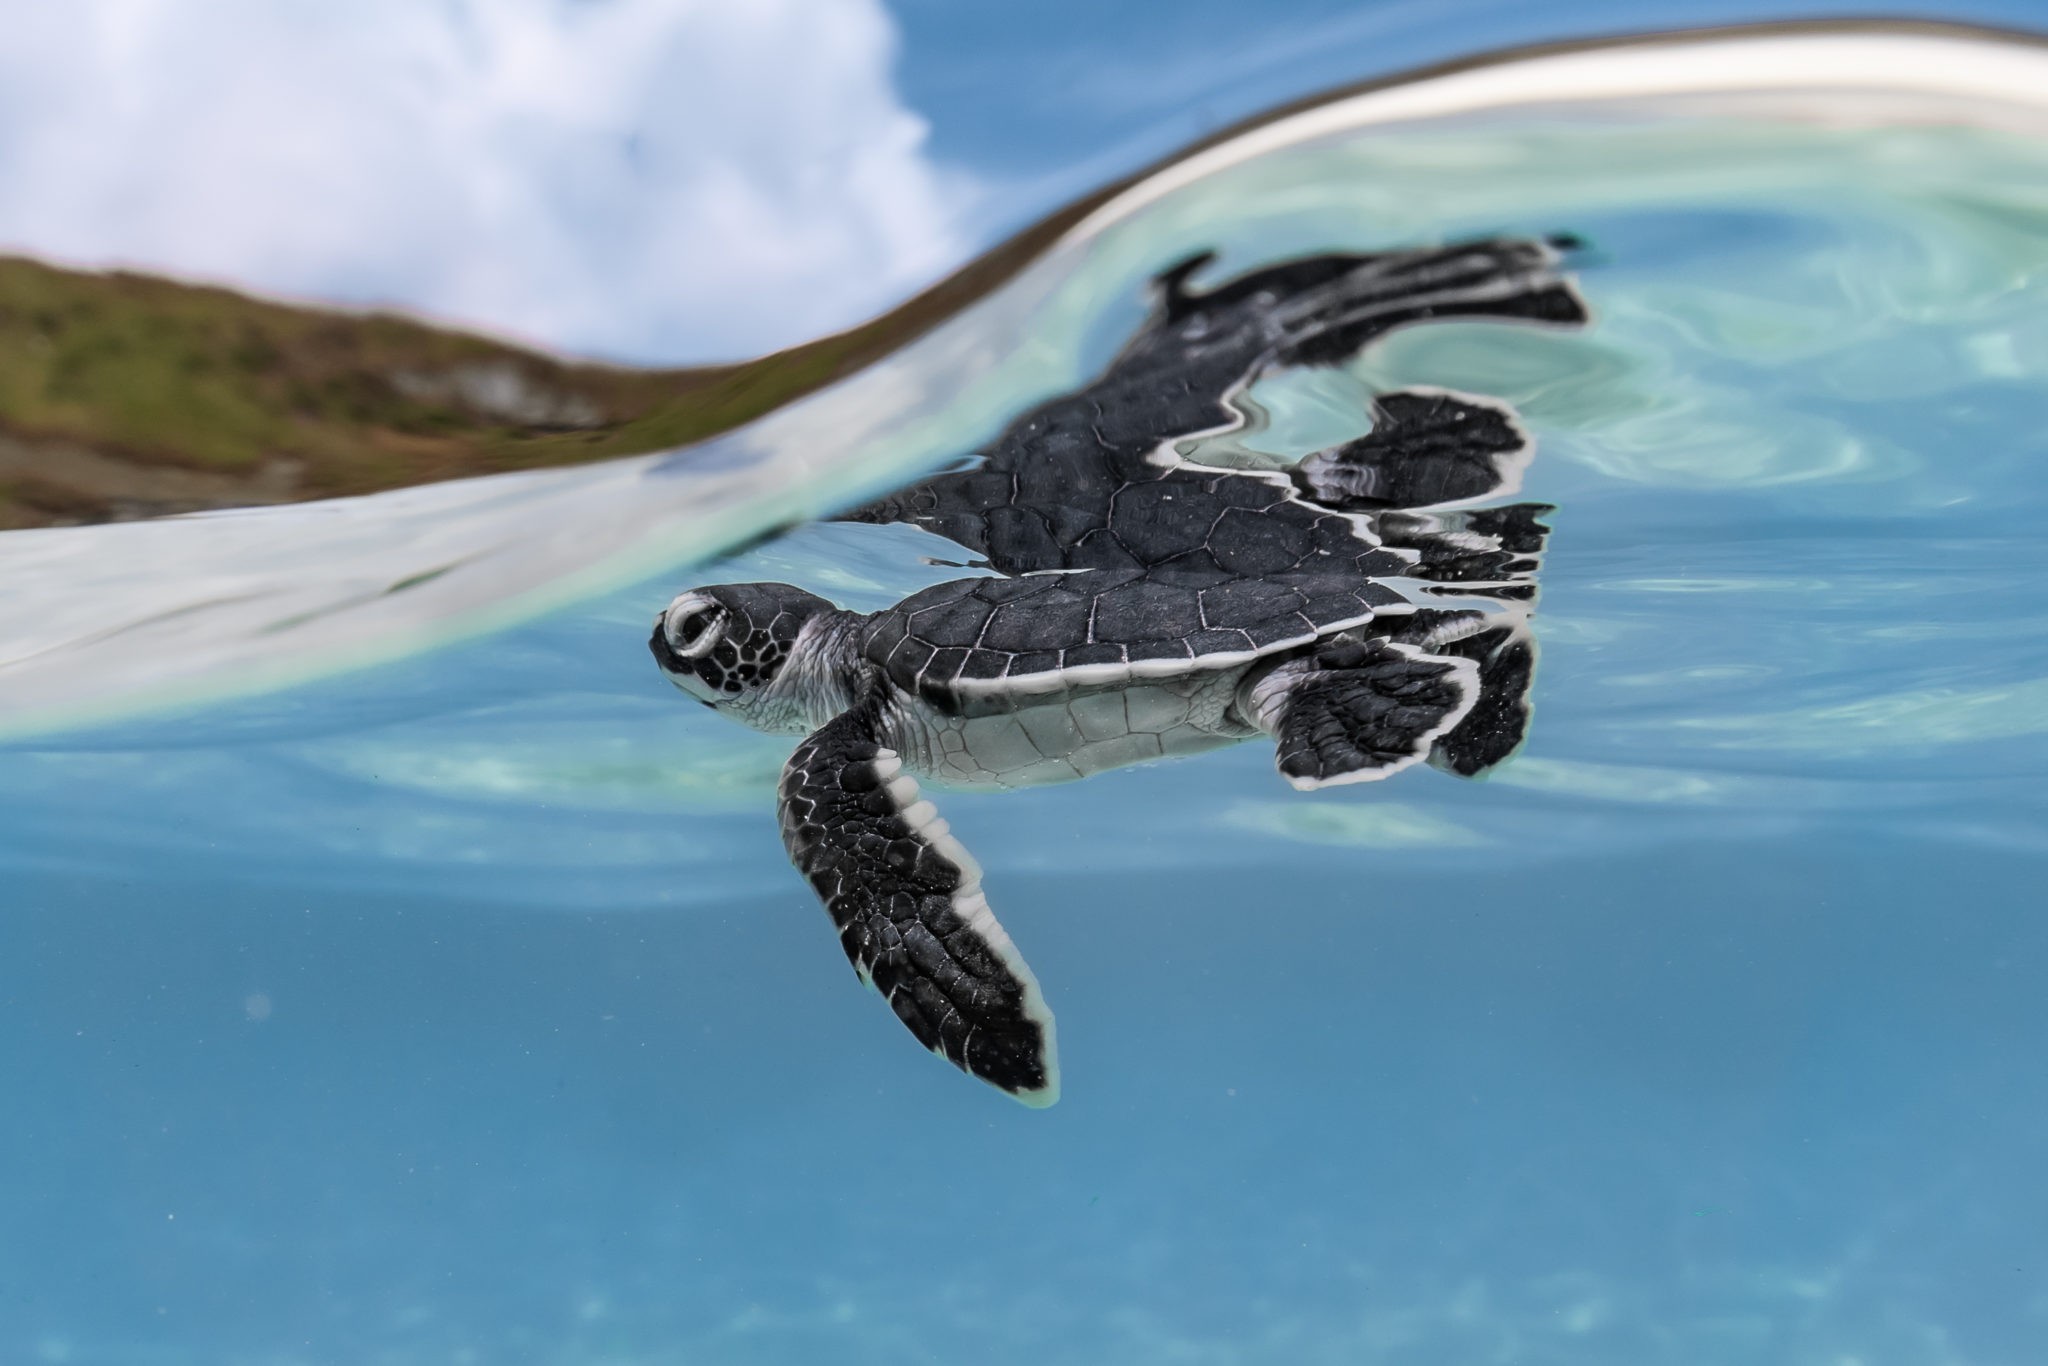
464	1008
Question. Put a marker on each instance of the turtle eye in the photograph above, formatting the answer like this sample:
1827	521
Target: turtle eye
696	633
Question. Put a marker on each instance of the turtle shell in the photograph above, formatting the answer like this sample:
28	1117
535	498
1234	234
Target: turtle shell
981	640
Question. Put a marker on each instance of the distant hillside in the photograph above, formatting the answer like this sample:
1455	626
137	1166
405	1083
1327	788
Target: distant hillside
126	395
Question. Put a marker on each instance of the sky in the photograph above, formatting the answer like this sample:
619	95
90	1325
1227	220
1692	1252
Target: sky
661	181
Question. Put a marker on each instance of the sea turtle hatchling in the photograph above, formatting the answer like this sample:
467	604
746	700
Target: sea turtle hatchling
1154	607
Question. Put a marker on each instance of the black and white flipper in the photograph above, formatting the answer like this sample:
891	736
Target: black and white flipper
907	901
1504	655
1427	448
1356	711
1502	649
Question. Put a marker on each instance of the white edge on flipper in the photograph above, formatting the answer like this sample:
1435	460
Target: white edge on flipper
971	905
1461	668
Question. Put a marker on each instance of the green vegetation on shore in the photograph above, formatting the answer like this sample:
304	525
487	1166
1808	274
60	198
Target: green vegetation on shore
126	395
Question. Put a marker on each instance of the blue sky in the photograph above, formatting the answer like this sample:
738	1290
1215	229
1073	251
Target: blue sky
660	180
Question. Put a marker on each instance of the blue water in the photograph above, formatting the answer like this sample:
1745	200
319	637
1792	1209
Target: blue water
464	1009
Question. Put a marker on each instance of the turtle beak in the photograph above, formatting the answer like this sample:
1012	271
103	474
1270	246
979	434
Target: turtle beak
664	653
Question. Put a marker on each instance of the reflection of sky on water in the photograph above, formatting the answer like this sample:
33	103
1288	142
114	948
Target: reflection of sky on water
1708	1031
1046	103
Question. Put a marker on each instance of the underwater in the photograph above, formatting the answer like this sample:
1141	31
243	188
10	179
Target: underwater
1445	683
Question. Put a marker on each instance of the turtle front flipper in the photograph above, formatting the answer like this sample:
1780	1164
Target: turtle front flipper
907	900
1427	448
1356	711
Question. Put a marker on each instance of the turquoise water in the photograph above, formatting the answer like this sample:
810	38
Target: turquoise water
464	1008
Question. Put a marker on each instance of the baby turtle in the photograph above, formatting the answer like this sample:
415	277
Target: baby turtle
1153	607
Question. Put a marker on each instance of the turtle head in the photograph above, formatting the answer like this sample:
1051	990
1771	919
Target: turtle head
727	644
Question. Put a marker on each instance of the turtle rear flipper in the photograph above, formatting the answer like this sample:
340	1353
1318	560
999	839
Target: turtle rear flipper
1427	448
1502	649
907	900
1505	655
1358	711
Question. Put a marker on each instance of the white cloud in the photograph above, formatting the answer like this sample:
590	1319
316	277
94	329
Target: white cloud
657	179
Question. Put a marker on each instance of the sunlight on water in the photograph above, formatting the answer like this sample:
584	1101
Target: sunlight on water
465	1008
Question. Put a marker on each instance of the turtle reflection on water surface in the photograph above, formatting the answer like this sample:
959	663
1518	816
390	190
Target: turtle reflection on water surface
1151	606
